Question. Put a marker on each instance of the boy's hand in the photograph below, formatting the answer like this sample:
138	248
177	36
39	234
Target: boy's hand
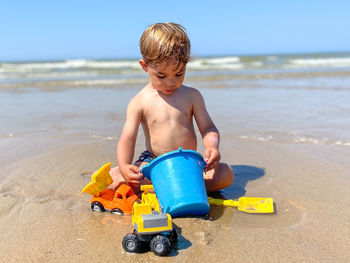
131	174
211	157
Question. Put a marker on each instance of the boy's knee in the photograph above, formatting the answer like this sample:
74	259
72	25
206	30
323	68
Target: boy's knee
116	177
228	175
115	173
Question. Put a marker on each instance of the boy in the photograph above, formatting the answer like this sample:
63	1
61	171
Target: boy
165	108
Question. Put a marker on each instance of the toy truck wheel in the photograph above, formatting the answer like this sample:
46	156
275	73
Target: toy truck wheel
117	211
160	245
131	243
97	206
173	236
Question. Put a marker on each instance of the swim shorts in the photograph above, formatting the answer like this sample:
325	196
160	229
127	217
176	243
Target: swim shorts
146	156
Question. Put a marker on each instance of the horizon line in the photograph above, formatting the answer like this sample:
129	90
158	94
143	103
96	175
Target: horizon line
192	57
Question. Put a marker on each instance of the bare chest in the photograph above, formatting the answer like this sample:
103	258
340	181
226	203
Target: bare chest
166	112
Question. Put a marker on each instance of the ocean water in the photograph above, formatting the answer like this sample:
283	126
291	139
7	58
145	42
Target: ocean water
300	98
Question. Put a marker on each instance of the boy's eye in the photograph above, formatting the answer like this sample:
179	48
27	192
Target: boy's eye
161	77
179	75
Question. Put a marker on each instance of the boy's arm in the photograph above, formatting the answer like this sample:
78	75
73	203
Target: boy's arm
210	134
126	144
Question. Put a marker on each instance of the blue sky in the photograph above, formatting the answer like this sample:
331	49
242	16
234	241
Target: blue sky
44	30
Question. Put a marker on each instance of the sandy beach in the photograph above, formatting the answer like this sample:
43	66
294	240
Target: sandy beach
289	142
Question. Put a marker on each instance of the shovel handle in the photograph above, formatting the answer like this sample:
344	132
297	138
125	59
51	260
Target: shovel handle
222	202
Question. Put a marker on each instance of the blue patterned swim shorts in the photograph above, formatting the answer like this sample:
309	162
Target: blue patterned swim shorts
146	156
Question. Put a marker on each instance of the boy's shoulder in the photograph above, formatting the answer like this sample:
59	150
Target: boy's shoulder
141	94
189	89
189	92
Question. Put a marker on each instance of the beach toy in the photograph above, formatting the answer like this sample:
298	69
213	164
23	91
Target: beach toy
149	197
119	201
152	226
100	180
177	178
254	205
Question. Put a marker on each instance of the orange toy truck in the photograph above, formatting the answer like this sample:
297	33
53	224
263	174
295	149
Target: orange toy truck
118	201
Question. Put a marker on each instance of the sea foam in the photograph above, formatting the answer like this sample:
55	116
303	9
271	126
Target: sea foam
320	62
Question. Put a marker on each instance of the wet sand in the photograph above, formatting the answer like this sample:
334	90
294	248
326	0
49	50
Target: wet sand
46	158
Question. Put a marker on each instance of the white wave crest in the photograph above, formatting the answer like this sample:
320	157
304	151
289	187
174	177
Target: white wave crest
215	63
310	140
92	82
319	62
68	64
107	138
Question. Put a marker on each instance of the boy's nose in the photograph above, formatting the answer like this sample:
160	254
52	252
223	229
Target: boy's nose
171	83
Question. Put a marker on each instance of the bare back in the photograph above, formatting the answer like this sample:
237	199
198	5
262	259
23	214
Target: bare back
167	121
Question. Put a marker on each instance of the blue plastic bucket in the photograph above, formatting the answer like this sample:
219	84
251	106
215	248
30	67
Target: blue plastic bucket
177	178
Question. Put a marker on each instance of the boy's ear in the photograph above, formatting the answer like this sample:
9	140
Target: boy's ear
143	65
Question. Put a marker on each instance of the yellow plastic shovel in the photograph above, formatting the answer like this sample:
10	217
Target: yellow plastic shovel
256	205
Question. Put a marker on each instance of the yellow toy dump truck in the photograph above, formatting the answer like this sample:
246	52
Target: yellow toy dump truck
151	226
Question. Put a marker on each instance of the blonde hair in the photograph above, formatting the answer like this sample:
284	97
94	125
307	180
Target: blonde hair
163	41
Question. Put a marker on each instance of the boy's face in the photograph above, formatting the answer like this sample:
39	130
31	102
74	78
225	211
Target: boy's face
165	77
